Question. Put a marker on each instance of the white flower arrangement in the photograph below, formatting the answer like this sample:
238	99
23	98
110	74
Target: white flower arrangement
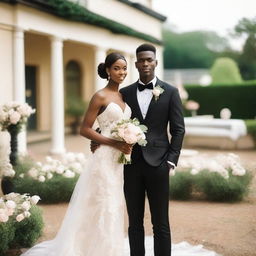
16	206
157	91
69	165
130	131
14	113
6	169
220	164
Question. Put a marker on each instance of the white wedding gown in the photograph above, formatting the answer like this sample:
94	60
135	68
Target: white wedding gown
94	222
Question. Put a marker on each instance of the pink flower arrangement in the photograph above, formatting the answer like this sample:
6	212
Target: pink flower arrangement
192	105
14	113
130	131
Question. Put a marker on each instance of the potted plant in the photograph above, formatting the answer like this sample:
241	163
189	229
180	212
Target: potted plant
75	109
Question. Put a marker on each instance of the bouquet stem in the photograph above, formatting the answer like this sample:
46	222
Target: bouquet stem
124	159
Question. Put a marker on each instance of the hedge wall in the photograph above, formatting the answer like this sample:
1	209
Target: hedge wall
239	98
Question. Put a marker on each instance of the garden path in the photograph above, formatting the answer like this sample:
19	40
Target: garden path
229	229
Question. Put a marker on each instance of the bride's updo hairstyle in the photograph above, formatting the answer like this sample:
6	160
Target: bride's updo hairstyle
109	61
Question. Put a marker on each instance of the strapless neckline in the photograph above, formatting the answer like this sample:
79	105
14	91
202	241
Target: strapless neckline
123	110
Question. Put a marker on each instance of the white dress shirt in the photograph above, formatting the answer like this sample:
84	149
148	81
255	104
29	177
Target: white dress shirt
144	98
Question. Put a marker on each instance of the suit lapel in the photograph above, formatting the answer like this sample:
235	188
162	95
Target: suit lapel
136	108
153	103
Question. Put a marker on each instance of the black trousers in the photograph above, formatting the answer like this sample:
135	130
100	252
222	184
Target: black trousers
141	179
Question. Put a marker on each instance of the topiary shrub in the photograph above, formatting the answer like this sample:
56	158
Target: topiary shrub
21	221
220	178
225	70
56	190
181	185
29	230
217	188
7	233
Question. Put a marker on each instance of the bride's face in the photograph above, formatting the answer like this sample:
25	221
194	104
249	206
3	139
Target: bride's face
118	71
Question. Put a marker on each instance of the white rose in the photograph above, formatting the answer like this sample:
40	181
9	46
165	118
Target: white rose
9	173
4	217
25	110
27	214
15	117
60	169
20	217
46	168
239	171
69	174
10	204
41	178
156	92
26	205
10	212
33	172
21	175
194	171
70	157
49	176
3	116
35	199
11	196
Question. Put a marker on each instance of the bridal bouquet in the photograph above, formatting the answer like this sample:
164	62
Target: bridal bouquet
132	132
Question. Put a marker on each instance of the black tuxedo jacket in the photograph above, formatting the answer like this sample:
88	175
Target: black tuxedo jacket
163	113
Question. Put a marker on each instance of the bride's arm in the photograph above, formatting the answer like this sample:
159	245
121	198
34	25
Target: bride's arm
87	131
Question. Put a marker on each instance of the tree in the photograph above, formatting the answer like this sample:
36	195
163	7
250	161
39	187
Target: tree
197	49
247	60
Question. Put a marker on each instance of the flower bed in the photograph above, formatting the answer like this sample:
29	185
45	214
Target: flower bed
221	178
21	221
53	180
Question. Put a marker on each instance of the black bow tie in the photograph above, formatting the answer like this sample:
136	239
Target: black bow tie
141	87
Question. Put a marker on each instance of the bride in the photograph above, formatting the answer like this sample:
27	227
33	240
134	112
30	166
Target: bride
94	221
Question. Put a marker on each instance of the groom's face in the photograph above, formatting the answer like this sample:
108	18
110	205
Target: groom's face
146	63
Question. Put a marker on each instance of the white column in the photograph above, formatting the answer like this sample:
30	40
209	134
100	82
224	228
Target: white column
100	55
57	96
19	79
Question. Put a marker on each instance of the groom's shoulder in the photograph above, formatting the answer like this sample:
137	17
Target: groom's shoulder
166	85
127	88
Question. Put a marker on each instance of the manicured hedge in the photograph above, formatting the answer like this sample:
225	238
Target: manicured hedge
209	185
239	98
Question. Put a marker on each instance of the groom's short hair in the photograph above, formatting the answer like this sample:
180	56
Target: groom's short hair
146	47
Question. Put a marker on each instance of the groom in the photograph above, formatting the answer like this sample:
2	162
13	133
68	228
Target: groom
158	106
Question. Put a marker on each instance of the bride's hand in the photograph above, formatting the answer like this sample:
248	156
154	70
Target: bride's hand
123	147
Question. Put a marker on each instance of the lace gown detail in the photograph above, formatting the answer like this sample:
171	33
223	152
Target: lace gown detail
94	221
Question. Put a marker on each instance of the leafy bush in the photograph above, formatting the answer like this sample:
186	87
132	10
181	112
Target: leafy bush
53	181
21	221
210	185
217	188
58	189
7	233
181	186
29	230
225	70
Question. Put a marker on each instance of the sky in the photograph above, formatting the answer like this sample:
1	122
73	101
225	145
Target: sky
216	15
